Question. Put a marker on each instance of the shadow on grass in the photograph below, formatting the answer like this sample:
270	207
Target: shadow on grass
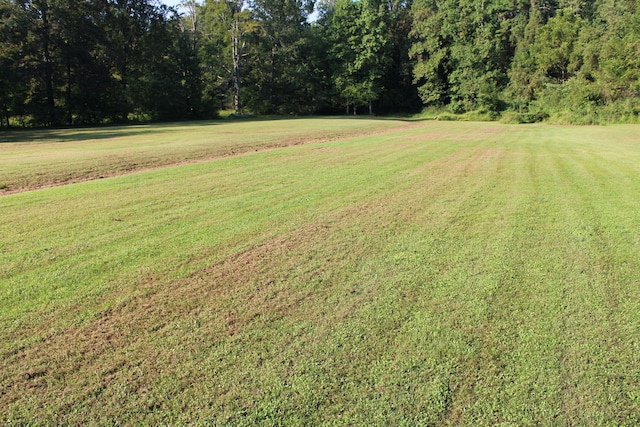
92	133
251	118
119	131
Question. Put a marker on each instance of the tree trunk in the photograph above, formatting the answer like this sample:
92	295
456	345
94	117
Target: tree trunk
48	69
68	101
236	52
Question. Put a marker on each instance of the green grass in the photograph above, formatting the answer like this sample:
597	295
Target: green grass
36	159
438	274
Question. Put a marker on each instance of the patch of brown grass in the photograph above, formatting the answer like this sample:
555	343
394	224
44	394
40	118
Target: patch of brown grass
123	343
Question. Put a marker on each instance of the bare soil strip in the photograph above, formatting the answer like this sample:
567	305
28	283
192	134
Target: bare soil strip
118	167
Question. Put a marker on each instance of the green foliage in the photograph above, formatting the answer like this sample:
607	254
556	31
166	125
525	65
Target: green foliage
368	41
462	52
568	61
481	115
68	62
359	41
448	117
71	62
512	117
281	75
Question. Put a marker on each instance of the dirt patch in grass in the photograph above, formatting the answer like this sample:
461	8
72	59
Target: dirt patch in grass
111	166
260	285
124	343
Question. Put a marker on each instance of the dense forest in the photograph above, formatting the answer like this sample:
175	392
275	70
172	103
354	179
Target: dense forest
77	62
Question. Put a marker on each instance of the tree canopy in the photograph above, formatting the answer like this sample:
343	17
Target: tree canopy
73	62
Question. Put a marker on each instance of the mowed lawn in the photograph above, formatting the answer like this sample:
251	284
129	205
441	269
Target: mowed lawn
386	273
36	159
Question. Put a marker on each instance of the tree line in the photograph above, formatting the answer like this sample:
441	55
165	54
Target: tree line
77	62
571	60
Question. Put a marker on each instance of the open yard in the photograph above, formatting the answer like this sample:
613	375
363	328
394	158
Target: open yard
321	271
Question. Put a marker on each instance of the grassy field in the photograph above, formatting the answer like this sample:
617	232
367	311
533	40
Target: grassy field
385	273
30	160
